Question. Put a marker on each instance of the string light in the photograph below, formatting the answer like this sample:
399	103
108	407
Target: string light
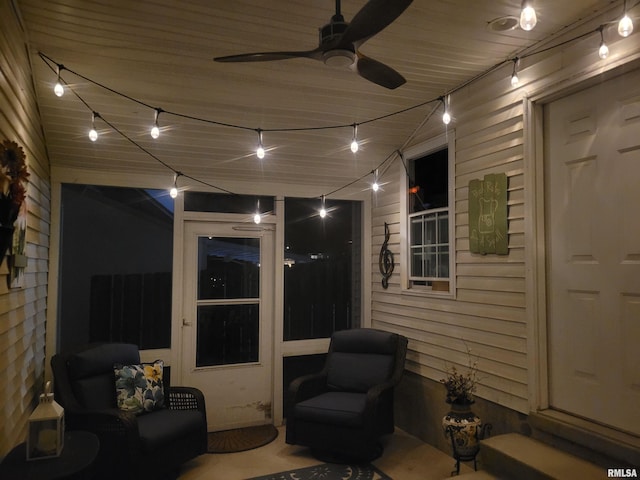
155	130
58	89
260	150
375	186
323	211
514	76
603	51
625	25
173	193
257	218
625	28
93	134
528	17
354	142
446	116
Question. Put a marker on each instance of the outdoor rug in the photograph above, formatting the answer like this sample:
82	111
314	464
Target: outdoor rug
241	439
329	471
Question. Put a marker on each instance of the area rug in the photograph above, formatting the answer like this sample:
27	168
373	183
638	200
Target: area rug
241	439
329	471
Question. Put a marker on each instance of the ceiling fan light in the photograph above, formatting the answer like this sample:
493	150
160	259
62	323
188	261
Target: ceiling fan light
339	58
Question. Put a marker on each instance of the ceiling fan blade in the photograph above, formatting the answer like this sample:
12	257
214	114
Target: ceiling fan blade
315	54
378	72
371	19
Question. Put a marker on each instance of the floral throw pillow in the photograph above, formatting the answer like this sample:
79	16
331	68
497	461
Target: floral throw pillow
139	388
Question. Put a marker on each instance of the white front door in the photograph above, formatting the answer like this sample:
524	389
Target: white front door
592	155
228	321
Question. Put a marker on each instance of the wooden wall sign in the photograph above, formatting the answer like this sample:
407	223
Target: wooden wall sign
488	215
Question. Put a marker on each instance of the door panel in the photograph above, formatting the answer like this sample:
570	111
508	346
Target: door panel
228	322
592	167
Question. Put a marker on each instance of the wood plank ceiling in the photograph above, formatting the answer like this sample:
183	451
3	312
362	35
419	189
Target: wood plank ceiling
160	53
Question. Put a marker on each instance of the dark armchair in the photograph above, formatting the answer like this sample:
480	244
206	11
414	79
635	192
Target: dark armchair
150	445
342	412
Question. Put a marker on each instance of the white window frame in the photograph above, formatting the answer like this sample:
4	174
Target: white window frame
446	140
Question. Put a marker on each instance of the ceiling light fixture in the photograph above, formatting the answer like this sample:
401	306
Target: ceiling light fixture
59	89
354	142
528	17
603	51
625	25
260	150
155	130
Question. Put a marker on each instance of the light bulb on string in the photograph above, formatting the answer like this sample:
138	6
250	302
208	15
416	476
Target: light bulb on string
603	51
514	75
58	89
625	25
257	218
354	141
155	130
375	186
528	17
173	193
323	211
446	116
260	150
93	133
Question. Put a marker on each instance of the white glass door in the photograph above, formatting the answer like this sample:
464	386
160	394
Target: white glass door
228	322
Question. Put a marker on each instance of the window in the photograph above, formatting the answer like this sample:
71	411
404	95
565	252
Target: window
116	258
428	223
322	287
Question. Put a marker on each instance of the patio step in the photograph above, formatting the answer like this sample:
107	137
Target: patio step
514	456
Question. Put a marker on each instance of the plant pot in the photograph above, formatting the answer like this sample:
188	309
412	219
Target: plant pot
463	428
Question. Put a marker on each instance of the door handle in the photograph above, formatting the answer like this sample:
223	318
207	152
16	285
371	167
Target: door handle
185	323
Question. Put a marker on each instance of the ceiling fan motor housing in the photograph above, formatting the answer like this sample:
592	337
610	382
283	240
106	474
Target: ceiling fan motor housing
331	33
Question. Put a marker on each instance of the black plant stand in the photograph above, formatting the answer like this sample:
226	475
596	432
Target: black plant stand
483	432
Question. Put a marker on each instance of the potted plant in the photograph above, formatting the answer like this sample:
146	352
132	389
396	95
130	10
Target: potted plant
460	424
13	177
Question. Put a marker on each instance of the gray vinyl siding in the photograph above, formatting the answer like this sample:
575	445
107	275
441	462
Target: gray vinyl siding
489	310
23	310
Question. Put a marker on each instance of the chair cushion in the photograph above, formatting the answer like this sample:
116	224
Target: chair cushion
164	427
139	387
357	372
91	373
336	408
364	340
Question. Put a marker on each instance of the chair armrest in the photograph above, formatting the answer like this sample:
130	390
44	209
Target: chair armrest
190	398
307	386
374	394
186	398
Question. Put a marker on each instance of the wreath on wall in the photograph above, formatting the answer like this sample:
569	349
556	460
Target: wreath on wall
13	191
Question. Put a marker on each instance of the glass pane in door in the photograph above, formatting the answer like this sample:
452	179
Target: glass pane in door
228	267
227	334
228	303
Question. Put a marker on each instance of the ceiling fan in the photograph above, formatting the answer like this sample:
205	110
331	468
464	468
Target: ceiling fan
340	42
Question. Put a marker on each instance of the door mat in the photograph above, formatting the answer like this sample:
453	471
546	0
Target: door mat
241	439
329	471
